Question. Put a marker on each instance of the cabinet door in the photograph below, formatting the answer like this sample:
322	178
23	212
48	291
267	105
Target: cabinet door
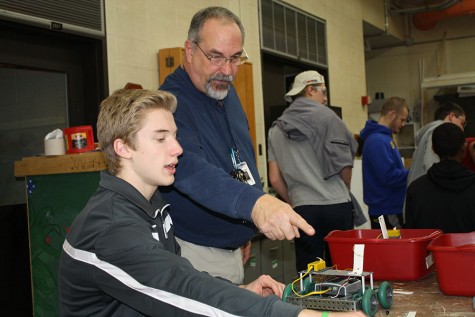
290	270
168	60
244	86
271	256
253	269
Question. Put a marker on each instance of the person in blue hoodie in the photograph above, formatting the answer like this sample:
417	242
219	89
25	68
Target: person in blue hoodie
384	174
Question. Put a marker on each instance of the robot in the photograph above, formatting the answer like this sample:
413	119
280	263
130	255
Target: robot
323	288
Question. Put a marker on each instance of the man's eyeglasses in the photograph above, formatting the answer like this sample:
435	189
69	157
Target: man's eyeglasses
321	90
221	60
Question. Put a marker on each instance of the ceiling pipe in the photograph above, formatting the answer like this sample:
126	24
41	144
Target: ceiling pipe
427	8
428	20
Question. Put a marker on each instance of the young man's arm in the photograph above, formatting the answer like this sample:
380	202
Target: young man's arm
277	181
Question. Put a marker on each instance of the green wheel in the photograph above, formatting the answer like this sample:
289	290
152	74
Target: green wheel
369	303
385	295
308	286
358	295
287	292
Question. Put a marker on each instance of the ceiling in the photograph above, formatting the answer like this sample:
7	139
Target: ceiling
376	38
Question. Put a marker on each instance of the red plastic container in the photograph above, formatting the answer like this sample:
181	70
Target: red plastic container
454	257
79	139
399	259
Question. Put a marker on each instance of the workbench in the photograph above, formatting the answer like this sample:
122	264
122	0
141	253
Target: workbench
425	299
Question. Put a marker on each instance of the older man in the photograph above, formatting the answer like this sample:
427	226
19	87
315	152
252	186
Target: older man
217	199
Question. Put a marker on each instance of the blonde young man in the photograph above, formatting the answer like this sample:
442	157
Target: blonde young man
120	257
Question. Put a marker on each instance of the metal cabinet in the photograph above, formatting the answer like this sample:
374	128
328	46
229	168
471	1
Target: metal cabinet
274	258
253	267
290	267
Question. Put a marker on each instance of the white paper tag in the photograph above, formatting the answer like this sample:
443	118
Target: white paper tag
382	224
249	179
358	257
429	260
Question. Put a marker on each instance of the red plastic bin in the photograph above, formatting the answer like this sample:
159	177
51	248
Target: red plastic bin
402	259
454	257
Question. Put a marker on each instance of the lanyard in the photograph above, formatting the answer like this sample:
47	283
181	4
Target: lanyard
234	149
235	157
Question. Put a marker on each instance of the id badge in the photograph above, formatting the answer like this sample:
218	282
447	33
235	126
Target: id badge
247	173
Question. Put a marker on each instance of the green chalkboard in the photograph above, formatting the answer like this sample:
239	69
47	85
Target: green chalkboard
53	203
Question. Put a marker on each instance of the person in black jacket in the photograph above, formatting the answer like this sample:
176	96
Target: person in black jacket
444	198
120	256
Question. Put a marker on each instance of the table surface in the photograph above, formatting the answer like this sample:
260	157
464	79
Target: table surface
425	299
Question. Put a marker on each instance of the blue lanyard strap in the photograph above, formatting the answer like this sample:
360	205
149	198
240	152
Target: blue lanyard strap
235	157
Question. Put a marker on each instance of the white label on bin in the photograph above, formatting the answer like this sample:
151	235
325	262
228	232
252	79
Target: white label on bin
358	256
429	260
382	224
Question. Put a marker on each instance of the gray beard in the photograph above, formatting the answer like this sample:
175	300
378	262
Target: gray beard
221	91
216	94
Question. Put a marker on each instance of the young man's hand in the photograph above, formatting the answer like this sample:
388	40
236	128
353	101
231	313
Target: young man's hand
265	286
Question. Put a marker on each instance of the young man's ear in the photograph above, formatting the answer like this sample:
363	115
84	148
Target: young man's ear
309	89
122	149
392	115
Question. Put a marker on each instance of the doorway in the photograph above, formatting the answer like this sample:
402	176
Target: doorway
278	74
49	80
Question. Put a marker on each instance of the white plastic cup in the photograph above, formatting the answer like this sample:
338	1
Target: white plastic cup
55	147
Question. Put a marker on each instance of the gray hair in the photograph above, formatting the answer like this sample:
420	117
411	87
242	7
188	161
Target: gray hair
205	14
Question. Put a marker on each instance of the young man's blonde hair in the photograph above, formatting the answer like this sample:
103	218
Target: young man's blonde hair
122	115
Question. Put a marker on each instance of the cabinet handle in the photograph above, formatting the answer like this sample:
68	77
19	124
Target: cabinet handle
169	61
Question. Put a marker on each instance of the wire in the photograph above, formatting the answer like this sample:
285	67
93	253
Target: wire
308	294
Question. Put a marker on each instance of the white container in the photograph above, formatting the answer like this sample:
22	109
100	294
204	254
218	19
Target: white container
55	147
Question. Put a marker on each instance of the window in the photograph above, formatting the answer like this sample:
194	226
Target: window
292	33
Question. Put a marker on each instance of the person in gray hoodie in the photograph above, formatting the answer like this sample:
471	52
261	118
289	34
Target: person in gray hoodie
310	156
424	157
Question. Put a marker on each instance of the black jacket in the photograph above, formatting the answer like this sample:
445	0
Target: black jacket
120	259
443	199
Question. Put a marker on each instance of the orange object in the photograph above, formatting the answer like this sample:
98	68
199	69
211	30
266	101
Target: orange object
79	139
132	86
427	20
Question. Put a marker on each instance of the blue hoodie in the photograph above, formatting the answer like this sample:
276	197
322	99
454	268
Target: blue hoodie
384	175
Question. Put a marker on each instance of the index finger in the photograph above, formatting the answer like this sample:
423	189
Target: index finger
302	224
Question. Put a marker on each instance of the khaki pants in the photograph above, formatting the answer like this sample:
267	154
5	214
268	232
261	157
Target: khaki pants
217	262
